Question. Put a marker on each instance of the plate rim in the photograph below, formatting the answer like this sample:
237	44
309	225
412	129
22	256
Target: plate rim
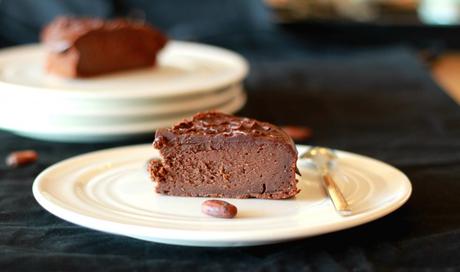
143	107
147	111
236	238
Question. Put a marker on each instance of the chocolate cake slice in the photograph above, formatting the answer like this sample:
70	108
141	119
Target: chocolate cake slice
84	47
219	155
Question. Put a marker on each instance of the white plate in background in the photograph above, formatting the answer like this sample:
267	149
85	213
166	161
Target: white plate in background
184	69
56	114
189	77
40	129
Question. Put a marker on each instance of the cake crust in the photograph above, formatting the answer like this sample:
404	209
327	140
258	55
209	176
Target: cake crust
219	155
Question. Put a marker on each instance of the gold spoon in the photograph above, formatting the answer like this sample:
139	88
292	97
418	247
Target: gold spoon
323	159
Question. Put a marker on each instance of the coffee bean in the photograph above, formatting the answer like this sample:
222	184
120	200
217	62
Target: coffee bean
20	158
218	208
298	133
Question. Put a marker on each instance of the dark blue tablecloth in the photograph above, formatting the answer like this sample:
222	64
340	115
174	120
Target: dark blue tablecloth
377	101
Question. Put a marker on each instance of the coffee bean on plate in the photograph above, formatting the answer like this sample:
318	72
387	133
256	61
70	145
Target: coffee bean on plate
219	208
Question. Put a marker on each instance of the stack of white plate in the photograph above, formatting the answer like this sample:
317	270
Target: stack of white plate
189	78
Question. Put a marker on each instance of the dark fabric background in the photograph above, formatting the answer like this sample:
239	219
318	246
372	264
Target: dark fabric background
376	101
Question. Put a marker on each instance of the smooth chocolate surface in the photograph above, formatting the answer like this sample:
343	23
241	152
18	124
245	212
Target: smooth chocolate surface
84	47
219	155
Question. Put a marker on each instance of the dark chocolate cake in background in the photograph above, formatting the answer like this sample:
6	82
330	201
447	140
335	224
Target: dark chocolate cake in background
84	47
219	155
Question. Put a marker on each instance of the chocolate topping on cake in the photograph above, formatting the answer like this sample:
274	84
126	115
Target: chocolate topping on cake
220	126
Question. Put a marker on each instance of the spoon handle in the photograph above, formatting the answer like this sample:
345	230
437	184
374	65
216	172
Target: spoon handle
339	201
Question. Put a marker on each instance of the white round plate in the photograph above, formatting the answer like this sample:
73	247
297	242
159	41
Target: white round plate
183	69
110	191
57	115
106	133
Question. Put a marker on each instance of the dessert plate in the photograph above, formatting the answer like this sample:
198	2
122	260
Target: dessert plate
184	69
57	115
110	191
41	129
